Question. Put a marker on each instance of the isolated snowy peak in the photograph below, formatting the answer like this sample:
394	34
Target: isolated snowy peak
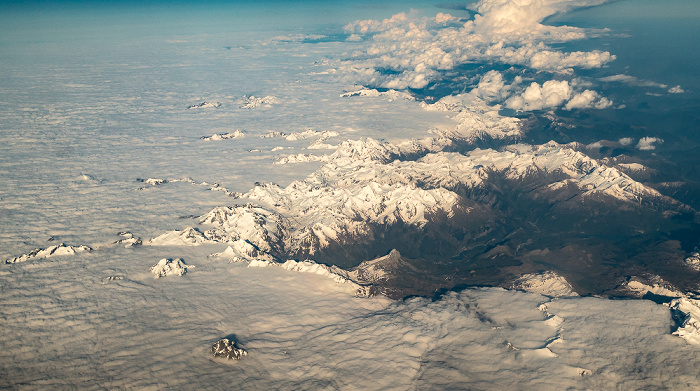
169	267
227	349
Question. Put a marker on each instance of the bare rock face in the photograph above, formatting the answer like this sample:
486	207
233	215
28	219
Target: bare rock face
227	349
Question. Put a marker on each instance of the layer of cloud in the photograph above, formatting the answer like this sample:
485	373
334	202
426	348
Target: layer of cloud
636	82
304	331
632	81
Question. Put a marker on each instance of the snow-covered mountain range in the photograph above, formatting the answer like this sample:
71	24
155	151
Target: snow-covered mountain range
453	207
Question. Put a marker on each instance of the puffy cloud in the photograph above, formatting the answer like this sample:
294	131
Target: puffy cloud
647	143
492	87
553	94
625	141
551	60
511	15
550	94
676	90
586	100
415	50
444	18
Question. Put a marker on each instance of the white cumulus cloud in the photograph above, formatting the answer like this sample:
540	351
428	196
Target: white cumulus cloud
550	94
586	100
492	87
409	52
626	141
647	143
553	94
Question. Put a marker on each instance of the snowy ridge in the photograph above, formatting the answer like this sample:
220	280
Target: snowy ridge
364	184
169	267
338	275
218	187
321	144
547	284
224	136
362	279
205	105
52	251
684	307
686	313
301	158
379	270
475	119
657	287
237	225
128	240
309	133
251	102
273	135
155	181
363	150
258	226
243	251
392	95
693	261
519	161
423	146
211	186
346	204
633	167
447	170
187	237
584	172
